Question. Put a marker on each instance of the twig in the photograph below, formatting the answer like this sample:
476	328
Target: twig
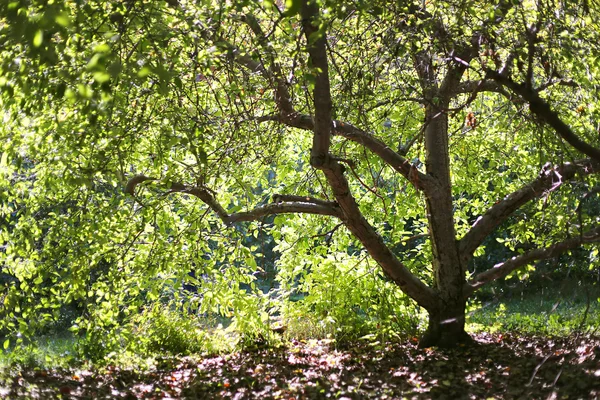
537	368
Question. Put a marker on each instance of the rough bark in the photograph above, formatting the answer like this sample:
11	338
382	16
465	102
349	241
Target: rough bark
446	326
446	321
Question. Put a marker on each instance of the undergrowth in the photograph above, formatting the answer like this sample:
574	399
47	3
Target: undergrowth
161	331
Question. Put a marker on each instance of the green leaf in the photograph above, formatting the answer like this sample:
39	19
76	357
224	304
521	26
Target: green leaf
38	38
101	77
144	72
94	61
63	20
292	7
102	48
6	344
251	262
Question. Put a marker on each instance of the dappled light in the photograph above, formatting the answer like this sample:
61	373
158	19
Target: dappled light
498	366
299	199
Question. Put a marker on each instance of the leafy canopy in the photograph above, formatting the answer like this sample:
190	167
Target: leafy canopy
95	93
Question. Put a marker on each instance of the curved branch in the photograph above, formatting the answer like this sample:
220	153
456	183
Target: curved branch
306	206
502	269
282	94
542	110
282	204
133	182
420	180
289	117
348	131
284	208
550	179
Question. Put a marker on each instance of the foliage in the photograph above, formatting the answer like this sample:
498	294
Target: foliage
143	140
339	296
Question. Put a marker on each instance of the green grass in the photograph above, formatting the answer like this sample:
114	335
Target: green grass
42	353
543	311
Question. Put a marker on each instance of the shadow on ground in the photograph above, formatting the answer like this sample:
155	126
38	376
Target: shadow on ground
497	366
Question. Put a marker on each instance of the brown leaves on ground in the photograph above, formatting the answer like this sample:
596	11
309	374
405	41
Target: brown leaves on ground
498	366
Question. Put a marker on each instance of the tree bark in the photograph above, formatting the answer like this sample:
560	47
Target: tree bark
447	320
446	326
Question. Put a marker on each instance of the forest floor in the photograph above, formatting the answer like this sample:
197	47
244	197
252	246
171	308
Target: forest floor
497	366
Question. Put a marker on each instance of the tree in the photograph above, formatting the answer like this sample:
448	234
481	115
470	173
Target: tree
204	99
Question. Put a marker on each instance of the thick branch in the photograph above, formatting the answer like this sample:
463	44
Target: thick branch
550	178
502	269
306	206
302	121
320	158
480	86
392	158
542	110
278	198
317	49
133	182
284	208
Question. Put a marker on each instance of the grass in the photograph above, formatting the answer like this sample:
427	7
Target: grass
538	312
543	311
42	353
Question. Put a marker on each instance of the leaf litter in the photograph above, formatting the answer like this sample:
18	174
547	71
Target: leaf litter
496	367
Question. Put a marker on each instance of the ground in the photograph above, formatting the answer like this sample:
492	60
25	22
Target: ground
498	366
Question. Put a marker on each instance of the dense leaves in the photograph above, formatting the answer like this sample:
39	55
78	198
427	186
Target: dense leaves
151	150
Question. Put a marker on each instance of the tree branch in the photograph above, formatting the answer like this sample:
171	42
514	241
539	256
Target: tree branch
282	204
502	269
283	98
320	158
542	110
288	116
486	85
316	41
278	198
549	179
482	85
284	208
133	182
420	180
348	131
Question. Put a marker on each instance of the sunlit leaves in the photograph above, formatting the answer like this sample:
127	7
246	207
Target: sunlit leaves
292	7
96	92
38	38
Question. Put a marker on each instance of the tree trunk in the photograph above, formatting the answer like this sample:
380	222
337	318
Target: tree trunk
447	317
446	326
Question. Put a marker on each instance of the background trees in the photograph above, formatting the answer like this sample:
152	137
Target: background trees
413	131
